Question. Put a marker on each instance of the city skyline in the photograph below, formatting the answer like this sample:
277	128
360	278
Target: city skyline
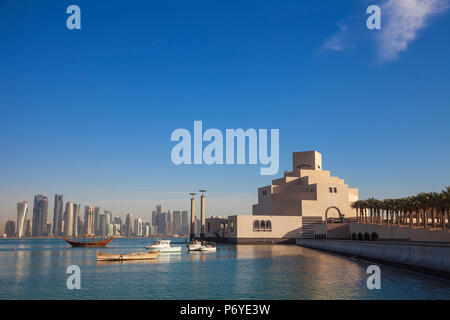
96	221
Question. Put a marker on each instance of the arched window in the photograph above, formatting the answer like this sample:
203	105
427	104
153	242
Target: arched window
268	225
256	225
331	190
335	190
262	225
231	225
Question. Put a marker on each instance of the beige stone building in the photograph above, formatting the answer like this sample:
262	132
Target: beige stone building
291	206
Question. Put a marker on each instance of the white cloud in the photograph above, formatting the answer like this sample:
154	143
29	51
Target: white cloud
401	20
336	41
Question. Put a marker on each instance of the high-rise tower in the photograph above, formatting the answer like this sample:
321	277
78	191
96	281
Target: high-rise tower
40	211
76	215
58	214
22	210
68	219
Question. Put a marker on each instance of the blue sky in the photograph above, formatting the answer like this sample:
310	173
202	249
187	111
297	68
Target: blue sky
89	113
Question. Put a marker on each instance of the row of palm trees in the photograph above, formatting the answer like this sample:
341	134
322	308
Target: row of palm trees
427	209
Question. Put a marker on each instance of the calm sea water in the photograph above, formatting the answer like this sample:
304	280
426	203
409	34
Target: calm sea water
37	271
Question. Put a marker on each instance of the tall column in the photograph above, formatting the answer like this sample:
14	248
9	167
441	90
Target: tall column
202	214
192	235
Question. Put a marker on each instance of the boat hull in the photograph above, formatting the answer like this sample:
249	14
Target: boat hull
206	249
164	250
194	247
91	244
127	257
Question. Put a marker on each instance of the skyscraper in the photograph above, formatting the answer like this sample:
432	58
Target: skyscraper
146	230
138	227
101	224
10	228
28	228
68	219
169	222
58	214
76	215
158	219
22	210
128	225
176	222
88	219
163	223
184	223
197	226
96	230
153	217
117	226
108	223
40	211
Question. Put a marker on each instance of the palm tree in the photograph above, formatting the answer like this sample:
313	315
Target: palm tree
355	205
378	208
404	209
389	205
445	206
414	207
434	203
371	202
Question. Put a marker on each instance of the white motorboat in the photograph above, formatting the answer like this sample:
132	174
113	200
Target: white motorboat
208	246
194	245
163	246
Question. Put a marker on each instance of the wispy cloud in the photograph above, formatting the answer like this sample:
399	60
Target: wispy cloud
401	22
336	41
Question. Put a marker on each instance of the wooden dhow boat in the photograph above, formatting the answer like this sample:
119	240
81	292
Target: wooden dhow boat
89	242
127	256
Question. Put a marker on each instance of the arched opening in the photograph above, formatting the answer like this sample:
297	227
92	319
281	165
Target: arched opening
256	225
374	236
366	237
333	215
268	225
262	225
360	236
354	236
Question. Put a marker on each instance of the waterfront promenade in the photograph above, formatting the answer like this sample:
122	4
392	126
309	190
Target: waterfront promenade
431	258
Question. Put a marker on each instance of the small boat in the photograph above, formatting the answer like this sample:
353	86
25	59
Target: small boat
208	246
194	245
127	256
89	242
163	246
